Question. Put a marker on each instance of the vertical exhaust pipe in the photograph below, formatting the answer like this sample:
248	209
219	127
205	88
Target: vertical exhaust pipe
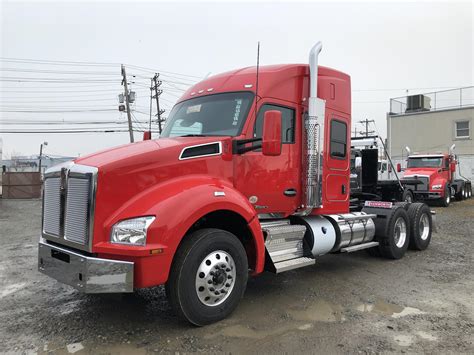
313	78
313	138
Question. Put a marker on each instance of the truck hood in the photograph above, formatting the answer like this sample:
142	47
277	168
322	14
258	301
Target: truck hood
143	153
421	171
128	170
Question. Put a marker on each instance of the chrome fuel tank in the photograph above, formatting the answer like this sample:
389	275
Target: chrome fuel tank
352	229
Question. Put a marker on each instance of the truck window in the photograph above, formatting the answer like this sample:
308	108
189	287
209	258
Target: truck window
287	123
425	162
338	141
211	115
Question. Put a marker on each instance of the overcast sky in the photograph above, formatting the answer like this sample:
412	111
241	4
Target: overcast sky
386	48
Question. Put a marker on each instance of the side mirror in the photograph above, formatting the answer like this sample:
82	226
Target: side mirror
358	163
146	135
271	137
399	168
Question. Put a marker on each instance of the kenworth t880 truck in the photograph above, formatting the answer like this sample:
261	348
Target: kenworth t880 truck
250	174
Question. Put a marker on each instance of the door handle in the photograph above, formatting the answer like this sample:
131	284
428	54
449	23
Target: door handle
290	192
343	189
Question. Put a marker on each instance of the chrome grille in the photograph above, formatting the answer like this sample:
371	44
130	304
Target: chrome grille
52	206
424	185
77	210
69	204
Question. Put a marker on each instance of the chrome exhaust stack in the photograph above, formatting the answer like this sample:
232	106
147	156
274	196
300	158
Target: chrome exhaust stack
313	139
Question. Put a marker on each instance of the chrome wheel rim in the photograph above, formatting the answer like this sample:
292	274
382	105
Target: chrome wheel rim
408	198
215	278
424	226
400	232
448	197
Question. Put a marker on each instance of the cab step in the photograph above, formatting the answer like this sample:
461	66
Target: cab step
359	247
285	246
293	264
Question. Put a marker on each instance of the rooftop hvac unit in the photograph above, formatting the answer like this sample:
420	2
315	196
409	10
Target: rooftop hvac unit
416	103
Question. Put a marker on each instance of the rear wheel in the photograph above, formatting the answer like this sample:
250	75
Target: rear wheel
208	277
394	242
420	226
446	200
461	195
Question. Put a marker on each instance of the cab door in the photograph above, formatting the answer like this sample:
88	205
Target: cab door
336	169
272	183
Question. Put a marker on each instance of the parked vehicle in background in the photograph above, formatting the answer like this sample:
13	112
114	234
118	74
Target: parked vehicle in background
251	173
369	174
433	177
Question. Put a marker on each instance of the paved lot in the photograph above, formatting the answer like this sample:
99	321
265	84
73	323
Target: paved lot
343	304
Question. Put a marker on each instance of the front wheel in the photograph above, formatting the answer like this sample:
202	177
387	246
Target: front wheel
208	277
446	200
407	196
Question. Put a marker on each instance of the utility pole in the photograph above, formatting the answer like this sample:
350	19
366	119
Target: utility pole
151	101
127	103
41	155
157	97
366	122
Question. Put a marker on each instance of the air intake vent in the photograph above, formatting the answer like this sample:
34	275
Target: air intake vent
201	150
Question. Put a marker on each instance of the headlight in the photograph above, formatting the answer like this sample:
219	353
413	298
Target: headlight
131	231
437	187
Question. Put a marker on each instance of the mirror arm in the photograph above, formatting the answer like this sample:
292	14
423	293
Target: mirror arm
248	149
237	145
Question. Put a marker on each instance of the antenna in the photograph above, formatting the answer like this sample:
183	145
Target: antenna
256	83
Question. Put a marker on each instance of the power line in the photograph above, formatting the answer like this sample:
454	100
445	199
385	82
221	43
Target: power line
57	111
63	131
62	72
79	63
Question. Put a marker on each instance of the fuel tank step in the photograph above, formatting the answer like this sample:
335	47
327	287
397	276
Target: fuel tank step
285	246
359	247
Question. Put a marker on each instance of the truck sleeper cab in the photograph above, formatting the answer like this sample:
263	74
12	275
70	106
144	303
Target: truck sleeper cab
239	182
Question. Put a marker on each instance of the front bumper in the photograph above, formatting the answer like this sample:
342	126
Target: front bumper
86	274
425	195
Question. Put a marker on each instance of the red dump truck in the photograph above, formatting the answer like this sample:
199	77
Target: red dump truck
250	174
432	177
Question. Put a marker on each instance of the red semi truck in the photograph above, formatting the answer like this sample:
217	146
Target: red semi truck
432	177
250	174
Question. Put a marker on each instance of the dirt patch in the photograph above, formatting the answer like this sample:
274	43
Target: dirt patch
343	304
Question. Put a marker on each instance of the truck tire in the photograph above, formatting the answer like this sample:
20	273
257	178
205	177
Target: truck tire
421	226
446	200
396	237
208	277
461	195
408	196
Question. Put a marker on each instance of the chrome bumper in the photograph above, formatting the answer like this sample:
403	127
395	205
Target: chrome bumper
85	273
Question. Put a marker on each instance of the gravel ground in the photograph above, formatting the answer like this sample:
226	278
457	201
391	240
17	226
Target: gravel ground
343	304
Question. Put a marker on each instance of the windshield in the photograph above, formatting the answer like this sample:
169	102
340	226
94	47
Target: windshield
427	162
212	115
